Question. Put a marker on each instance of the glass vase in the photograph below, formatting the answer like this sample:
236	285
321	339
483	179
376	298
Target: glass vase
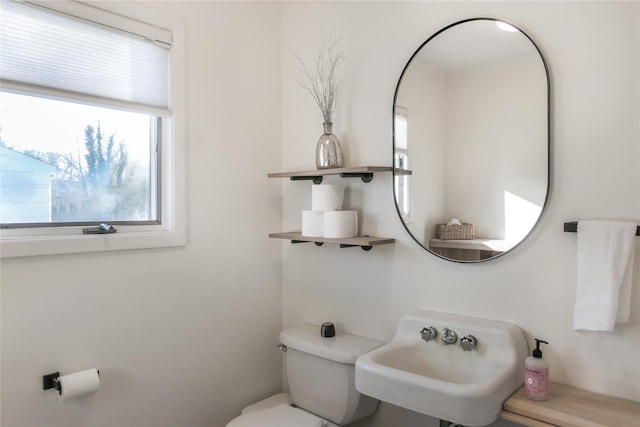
328	150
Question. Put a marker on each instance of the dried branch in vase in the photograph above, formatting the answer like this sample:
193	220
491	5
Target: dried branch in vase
322	81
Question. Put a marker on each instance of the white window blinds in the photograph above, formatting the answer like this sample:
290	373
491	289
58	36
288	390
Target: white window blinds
58	55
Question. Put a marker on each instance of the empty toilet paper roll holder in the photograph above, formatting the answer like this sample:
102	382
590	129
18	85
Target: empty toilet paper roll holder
51	380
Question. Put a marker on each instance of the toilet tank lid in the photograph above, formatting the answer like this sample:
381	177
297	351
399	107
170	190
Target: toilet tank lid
343	348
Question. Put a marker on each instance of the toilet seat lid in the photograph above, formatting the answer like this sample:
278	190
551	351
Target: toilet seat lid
279	416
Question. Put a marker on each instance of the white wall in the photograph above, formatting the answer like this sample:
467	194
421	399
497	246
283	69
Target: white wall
592	50
503	147
184	336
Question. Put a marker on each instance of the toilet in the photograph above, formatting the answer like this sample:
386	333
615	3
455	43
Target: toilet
321	378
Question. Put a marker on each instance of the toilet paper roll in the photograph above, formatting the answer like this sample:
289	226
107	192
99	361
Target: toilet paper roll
340	224
327	197
79	384
312	223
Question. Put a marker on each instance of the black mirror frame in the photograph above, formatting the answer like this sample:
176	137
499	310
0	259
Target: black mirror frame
549	145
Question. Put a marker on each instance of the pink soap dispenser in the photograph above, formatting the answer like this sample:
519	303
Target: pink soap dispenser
536	374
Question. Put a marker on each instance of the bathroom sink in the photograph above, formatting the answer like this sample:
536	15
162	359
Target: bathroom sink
443	380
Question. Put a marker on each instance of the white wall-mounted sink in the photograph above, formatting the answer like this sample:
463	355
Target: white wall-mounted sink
444	381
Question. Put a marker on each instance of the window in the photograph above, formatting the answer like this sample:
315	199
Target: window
401	160
89	128
65	163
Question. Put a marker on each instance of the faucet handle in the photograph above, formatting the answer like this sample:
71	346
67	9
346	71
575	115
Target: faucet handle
429	333
468	342
449	336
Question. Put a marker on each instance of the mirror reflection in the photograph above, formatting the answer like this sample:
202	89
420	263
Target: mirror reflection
471	122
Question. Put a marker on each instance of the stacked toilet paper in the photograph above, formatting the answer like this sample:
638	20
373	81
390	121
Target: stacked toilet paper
326	217
338	224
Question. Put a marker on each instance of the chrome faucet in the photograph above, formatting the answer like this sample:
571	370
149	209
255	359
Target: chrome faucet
429	333
468	342
449	336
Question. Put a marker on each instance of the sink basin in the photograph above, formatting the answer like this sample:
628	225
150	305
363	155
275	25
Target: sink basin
444	381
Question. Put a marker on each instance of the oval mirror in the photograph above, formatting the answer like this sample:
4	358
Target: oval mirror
471	121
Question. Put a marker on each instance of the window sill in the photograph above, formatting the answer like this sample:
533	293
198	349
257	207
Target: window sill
24	246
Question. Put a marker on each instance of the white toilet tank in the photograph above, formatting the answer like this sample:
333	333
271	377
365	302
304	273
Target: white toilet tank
321	373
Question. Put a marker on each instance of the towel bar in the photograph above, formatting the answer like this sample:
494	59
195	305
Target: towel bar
572	227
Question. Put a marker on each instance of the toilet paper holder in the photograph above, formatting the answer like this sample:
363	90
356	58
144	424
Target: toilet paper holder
51	380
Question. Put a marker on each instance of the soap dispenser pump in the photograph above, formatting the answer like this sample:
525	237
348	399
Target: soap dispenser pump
536	374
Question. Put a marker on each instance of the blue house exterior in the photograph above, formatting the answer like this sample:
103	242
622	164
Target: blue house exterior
25	188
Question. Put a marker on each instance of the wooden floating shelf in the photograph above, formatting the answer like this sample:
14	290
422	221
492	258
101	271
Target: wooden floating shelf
338	171
365	173
365	242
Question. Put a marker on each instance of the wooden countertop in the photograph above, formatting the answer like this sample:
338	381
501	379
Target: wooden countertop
569	406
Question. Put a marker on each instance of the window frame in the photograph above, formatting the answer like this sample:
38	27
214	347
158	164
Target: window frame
171	230
402	193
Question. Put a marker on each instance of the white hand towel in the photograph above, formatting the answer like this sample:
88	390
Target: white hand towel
605	265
